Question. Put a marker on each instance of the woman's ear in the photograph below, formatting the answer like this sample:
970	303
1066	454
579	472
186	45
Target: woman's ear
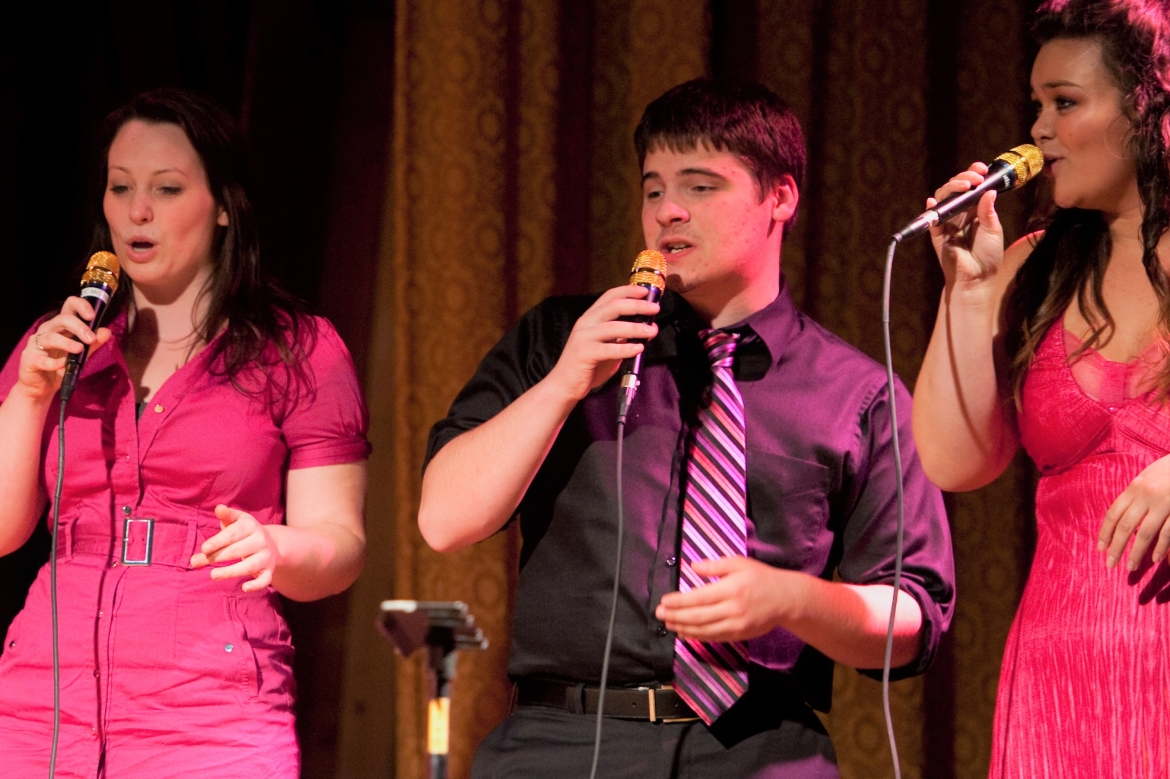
222	218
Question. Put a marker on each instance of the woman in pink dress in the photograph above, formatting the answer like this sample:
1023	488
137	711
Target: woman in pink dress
216	429
1060	344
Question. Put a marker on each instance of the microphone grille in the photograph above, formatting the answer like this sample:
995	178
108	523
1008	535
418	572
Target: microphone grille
1026	160
649	269
103	268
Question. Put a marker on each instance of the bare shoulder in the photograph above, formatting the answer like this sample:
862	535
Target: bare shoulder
1019	251
1013	258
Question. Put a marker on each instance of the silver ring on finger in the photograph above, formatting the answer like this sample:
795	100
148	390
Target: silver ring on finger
37	341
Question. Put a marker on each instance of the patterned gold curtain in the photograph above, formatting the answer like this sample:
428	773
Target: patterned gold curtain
512	176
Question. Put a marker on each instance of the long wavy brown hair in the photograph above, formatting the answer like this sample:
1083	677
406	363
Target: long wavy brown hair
1069	261
264	327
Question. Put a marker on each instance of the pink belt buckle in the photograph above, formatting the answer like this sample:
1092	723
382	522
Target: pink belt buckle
143	542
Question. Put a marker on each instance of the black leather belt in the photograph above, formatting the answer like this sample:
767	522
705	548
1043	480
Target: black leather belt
654	704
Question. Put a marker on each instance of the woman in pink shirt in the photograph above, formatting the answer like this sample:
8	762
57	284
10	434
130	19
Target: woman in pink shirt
215	458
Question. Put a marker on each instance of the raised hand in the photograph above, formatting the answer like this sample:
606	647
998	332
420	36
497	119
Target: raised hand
970	245
598	342
42	363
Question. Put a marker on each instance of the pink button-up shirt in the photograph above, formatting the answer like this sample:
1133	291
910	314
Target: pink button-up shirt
158	657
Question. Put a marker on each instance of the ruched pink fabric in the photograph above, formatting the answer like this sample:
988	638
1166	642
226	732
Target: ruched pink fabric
164	672
1085	685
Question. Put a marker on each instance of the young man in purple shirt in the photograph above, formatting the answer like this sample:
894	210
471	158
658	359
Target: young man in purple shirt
719	676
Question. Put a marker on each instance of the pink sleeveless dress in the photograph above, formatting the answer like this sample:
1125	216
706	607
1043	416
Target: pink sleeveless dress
1085	685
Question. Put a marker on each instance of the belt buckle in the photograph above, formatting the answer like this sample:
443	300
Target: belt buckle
146	558
665	720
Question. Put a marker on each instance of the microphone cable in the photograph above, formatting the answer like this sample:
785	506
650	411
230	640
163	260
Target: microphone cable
891	387
98	285
649	271
617	570
1008	171
53	589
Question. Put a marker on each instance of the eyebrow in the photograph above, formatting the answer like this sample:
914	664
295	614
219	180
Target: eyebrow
153	173
701	172
687	172
1054	84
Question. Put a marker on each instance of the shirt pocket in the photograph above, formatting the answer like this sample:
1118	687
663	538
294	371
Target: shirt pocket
13	644
788	503
28	646
211	643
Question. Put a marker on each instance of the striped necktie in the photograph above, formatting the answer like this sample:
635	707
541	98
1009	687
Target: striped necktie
711	676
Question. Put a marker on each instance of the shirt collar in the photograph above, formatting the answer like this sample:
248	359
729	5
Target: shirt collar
773	326
110	354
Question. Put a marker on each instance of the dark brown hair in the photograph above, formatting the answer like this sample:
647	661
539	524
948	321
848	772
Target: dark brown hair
263	323
738	117
1069	262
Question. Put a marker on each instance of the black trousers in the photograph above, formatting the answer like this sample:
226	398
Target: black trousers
536	742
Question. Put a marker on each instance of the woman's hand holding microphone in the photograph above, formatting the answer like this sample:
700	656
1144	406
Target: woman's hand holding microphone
42	363
970	246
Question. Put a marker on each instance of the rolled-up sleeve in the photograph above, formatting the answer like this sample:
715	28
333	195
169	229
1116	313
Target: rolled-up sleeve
870	531
328	425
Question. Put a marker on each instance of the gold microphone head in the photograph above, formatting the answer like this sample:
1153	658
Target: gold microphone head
1026	160
649	269
103	268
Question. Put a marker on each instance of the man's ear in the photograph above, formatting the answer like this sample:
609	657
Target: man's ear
784	198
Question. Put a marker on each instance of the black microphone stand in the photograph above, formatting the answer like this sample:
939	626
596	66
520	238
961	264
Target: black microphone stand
444	627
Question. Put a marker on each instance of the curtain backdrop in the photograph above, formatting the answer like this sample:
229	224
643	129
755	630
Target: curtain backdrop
510	175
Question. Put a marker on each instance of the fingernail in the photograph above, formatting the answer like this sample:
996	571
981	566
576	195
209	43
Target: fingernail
1110	561
1131	566
1100	546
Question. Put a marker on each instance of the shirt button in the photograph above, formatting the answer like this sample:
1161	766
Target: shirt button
11	644
126	511
158	409
671	562
96	673
228	647
662	631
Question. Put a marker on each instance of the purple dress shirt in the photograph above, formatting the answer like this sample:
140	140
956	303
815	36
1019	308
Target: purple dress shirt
821	492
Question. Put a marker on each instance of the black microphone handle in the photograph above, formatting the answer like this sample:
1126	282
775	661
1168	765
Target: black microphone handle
98	296
1001	177
631	367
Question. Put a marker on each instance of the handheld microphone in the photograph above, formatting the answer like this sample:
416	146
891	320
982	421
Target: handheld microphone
1009	170
98	285
649	271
